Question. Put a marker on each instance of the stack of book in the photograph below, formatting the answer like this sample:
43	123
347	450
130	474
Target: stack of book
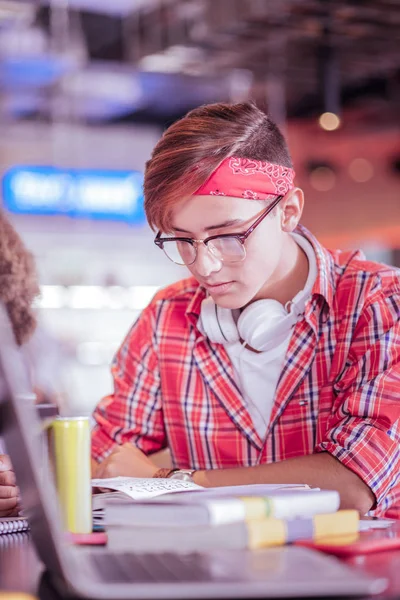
164	515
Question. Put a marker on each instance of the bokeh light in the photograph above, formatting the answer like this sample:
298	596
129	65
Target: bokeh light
361	170
329	121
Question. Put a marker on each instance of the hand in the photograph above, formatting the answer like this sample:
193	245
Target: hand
126	461
9	492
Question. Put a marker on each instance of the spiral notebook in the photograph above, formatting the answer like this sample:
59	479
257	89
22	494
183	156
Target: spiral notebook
13	524
14	540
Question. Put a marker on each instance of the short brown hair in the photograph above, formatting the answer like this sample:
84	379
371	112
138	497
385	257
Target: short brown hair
18	283
193	147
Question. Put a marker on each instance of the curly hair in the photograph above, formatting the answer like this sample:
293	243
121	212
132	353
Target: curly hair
18	281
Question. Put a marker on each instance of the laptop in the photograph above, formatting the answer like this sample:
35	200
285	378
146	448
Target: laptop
96	572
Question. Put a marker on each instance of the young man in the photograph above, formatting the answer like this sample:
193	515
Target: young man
278	361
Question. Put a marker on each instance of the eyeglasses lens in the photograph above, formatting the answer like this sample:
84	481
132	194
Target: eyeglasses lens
181	253
227	249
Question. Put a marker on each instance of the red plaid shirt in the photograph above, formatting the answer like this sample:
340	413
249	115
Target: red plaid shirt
339	390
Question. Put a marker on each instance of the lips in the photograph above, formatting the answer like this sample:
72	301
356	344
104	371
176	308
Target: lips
215	285
218	287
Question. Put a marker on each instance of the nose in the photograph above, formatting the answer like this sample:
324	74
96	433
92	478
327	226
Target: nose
206	263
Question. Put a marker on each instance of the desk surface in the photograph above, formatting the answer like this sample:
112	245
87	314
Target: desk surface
21	570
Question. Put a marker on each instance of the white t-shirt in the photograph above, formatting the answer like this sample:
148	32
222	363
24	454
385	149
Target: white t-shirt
257	374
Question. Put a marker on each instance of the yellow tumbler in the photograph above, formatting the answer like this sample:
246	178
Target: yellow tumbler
71	447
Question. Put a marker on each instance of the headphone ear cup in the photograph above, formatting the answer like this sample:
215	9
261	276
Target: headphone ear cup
217	323
270	310
264	324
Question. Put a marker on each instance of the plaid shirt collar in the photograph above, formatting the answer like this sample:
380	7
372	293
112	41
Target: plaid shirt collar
324	285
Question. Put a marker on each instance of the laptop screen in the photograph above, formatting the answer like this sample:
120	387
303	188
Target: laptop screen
24	438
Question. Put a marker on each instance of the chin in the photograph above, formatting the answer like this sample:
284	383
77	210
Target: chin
232	303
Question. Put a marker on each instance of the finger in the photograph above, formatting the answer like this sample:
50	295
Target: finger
5	463
109	470
102	470
99	471
7	478
102	473
8	491
10	513
94	467
8	503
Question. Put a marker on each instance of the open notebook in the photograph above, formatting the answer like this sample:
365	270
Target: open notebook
141	488
155	501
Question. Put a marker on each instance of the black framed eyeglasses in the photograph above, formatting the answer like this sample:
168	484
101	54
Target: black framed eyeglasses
228	247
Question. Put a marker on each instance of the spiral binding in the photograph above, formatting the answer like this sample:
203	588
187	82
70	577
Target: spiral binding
10	525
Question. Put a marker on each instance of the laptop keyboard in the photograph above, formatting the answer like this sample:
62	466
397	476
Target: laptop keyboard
146	568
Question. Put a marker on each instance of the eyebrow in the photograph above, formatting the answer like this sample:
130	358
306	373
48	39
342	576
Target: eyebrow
229	223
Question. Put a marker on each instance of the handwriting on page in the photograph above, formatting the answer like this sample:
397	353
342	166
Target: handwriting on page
141	488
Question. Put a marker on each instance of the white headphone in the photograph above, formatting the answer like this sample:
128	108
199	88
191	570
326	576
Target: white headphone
263	325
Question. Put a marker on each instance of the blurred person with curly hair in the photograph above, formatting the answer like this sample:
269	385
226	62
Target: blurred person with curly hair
18	290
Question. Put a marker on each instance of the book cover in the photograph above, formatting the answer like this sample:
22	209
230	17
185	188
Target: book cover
231	536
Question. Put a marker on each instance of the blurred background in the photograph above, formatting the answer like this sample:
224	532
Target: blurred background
87	88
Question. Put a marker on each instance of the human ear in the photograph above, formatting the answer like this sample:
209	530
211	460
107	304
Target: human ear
292	209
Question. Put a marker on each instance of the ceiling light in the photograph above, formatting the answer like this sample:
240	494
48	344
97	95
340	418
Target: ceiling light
329	121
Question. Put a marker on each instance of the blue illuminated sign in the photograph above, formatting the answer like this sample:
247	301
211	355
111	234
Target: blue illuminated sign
113	195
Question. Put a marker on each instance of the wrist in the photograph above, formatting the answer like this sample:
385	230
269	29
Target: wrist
163	472
183	475
178	474
200	479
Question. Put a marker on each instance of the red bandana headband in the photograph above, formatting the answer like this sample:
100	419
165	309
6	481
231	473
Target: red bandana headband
248	178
